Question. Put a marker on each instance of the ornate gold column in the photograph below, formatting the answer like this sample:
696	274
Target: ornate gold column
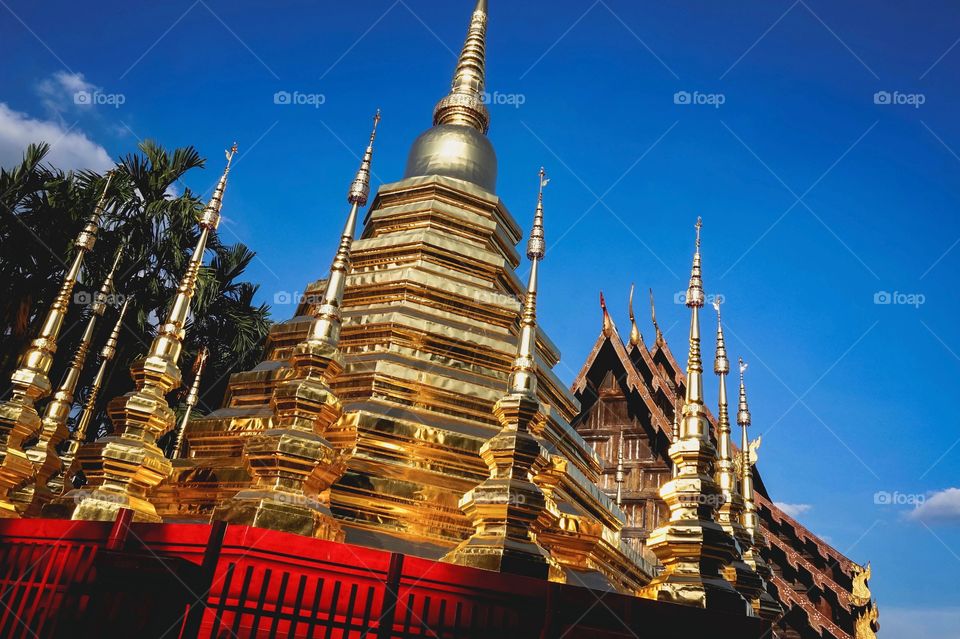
123	466
508	508
19	419
68	458
292	463
692	546
192	397
741	575
43	454
764	605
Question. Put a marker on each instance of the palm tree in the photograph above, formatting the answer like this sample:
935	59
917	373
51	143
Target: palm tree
43	208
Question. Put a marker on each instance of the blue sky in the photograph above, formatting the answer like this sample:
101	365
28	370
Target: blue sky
819	194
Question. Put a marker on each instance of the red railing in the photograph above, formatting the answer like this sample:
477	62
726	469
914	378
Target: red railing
79	579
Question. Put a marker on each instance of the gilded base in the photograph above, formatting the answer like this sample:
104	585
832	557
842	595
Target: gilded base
500	554
99	505
286	512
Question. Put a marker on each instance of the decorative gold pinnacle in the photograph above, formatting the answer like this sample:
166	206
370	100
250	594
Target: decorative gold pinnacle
508	509
79	434
293	464
635	337
763	604
121	468
653	318
54	424
464	104
193	397
692	546
19	419
607	324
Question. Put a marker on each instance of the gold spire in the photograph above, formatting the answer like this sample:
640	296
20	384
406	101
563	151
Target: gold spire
653	317
305	447
694	386
750	521
79	434
508	509
635	337
692	546
19	419
464	104
740	574
329	320
607	326
192	397
523	375
360	188
123	467
763	604
54	425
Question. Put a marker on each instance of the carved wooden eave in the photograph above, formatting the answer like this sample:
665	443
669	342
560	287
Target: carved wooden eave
633	379
803	533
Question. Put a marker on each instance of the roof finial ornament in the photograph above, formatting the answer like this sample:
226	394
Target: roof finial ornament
607	322
653	316
635	337
464	104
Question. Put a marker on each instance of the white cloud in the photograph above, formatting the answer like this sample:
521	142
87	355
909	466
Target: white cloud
59	92
940	507
69	149
909	623
793	510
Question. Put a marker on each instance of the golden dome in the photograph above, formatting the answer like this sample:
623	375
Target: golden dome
456	151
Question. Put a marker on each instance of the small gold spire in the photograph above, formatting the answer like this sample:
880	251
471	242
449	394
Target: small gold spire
328	314
19	419
653	317
192	397
54	424
635	337
464	104
60	481
523	375
694	301
607	326
360	188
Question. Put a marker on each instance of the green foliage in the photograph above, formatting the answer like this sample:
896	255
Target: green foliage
43	208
